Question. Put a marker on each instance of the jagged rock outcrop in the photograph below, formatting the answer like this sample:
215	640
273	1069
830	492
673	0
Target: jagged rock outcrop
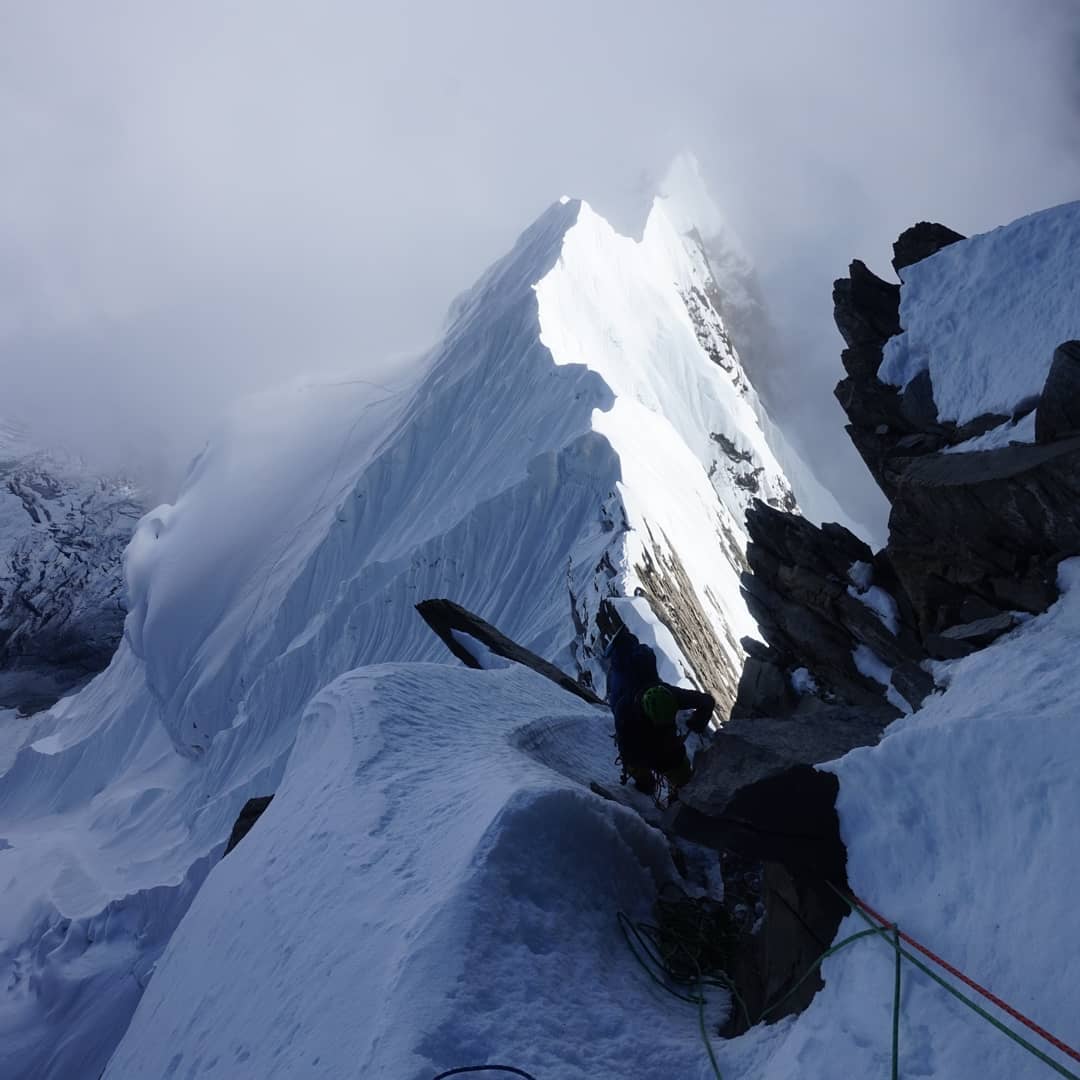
62	536
888	426
784	823
922	240
991	525
833	618
974	535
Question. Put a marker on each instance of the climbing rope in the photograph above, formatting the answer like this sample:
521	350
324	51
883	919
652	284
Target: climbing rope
689	945
878	922
461	1070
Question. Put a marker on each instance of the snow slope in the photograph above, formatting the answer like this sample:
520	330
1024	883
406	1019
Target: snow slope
556	448
984	316
424	891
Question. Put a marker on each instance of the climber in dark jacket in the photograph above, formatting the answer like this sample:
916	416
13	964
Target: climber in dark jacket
645	709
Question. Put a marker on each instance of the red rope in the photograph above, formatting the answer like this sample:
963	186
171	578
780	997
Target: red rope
1018	1016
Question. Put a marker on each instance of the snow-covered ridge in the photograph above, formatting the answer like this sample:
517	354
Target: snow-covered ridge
984	316
584	430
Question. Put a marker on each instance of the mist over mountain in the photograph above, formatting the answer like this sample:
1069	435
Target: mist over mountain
348	610
201	203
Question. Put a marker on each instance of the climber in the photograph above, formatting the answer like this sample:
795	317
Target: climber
645	711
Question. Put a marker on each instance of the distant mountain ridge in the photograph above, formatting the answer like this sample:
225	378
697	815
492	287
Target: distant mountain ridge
63	531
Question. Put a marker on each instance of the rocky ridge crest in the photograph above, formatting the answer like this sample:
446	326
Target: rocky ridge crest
975	535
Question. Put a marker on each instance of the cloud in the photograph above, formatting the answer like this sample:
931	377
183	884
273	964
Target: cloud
199	199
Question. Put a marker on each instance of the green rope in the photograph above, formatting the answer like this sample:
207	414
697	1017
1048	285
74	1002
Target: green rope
633	931
974	1006
705	1038
684	944
688	946
896	1008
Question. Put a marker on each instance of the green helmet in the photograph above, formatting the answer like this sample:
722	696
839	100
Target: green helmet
658	704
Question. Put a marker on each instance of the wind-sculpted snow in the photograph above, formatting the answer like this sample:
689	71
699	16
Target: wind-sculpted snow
984	316
528	470
421	894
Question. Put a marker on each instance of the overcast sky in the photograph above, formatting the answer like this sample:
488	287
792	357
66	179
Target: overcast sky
197	199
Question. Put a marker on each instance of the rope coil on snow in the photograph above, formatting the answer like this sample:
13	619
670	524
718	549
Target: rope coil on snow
674	953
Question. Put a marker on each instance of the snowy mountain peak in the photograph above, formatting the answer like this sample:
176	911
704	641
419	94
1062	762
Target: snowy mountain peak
583	433
688	202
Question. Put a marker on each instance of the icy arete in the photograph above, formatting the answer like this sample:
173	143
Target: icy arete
583	431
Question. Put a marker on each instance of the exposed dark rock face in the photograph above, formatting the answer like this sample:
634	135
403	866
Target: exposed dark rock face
445	618
920	242
786	822
253	810
1058	412
962	640
756	795
973	535
819	595
890	426
867	308
671	595
991	525
883	420
745	751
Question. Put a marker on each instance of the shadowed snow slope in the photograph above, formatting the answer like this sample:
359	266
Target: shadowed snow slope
584	430
419	895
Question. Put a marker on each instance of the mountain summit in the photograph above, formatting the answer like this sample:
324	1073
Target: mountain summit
585	432
434	880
